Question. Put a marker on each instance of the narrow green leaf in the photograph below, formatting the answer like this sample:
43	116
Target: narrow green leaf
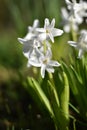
77	76
60	116
53	94
41	94
74	108
65	97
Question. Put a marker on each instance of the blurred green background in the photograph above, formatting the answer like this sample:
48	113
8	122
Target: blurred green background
17	109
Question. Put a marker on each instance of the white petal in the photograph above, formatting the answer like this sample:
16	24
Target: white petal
46	23
54	63
85	39
50	69
65	14
51	37
74	1
67	2
43	67
21	40
29	36
28	65
41	30
53	23
34	63
79	19
27	46
57	32
26	54
36	23
36	43
66	28
80	53
72	43
42	36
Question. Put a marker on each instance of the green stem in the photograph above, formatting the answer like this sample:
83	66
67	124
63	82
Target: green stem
73	32
45	46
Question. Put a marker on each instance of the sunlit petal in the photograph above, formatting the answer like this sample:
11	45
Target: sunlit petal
43	67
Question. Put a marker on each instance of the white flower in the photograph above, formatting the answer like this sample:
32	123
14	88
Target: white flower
68	23
32	33
77	10
37	48
49	31
30	41
29	46
81	45
44	61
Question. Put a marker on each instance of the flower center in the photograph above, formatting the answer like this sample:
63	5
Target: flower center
47	31
45	61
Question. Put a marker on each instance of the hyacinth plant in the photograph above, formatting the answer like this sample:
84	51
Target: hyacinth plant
37	49
77	69
52	85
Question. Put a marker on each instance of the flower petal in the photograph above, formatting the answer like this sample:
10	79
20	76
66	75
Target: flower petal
21	40
53	23
41	30
27	46
51	37
34	62
42	36
29	36
67	2
36	23
54	63
57	32
80	53
72	43
65	14
66	28
26	54
43	68
46	23
50	69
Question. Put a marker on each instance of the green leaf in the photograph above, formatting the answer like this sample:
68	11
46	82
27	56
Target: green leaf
65	97
36	87
60	107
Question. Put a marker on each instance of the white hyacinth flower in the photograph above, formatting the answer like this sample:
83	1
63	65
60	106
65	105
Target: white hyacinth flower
81	45
32	33
37	48
29	46
30	41
77	10
44	61
68	23
49	31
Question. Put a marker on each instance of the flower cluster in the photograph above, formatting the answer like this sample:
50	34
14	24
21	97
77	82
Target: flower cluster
74	15
81	44
37	48
36	44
